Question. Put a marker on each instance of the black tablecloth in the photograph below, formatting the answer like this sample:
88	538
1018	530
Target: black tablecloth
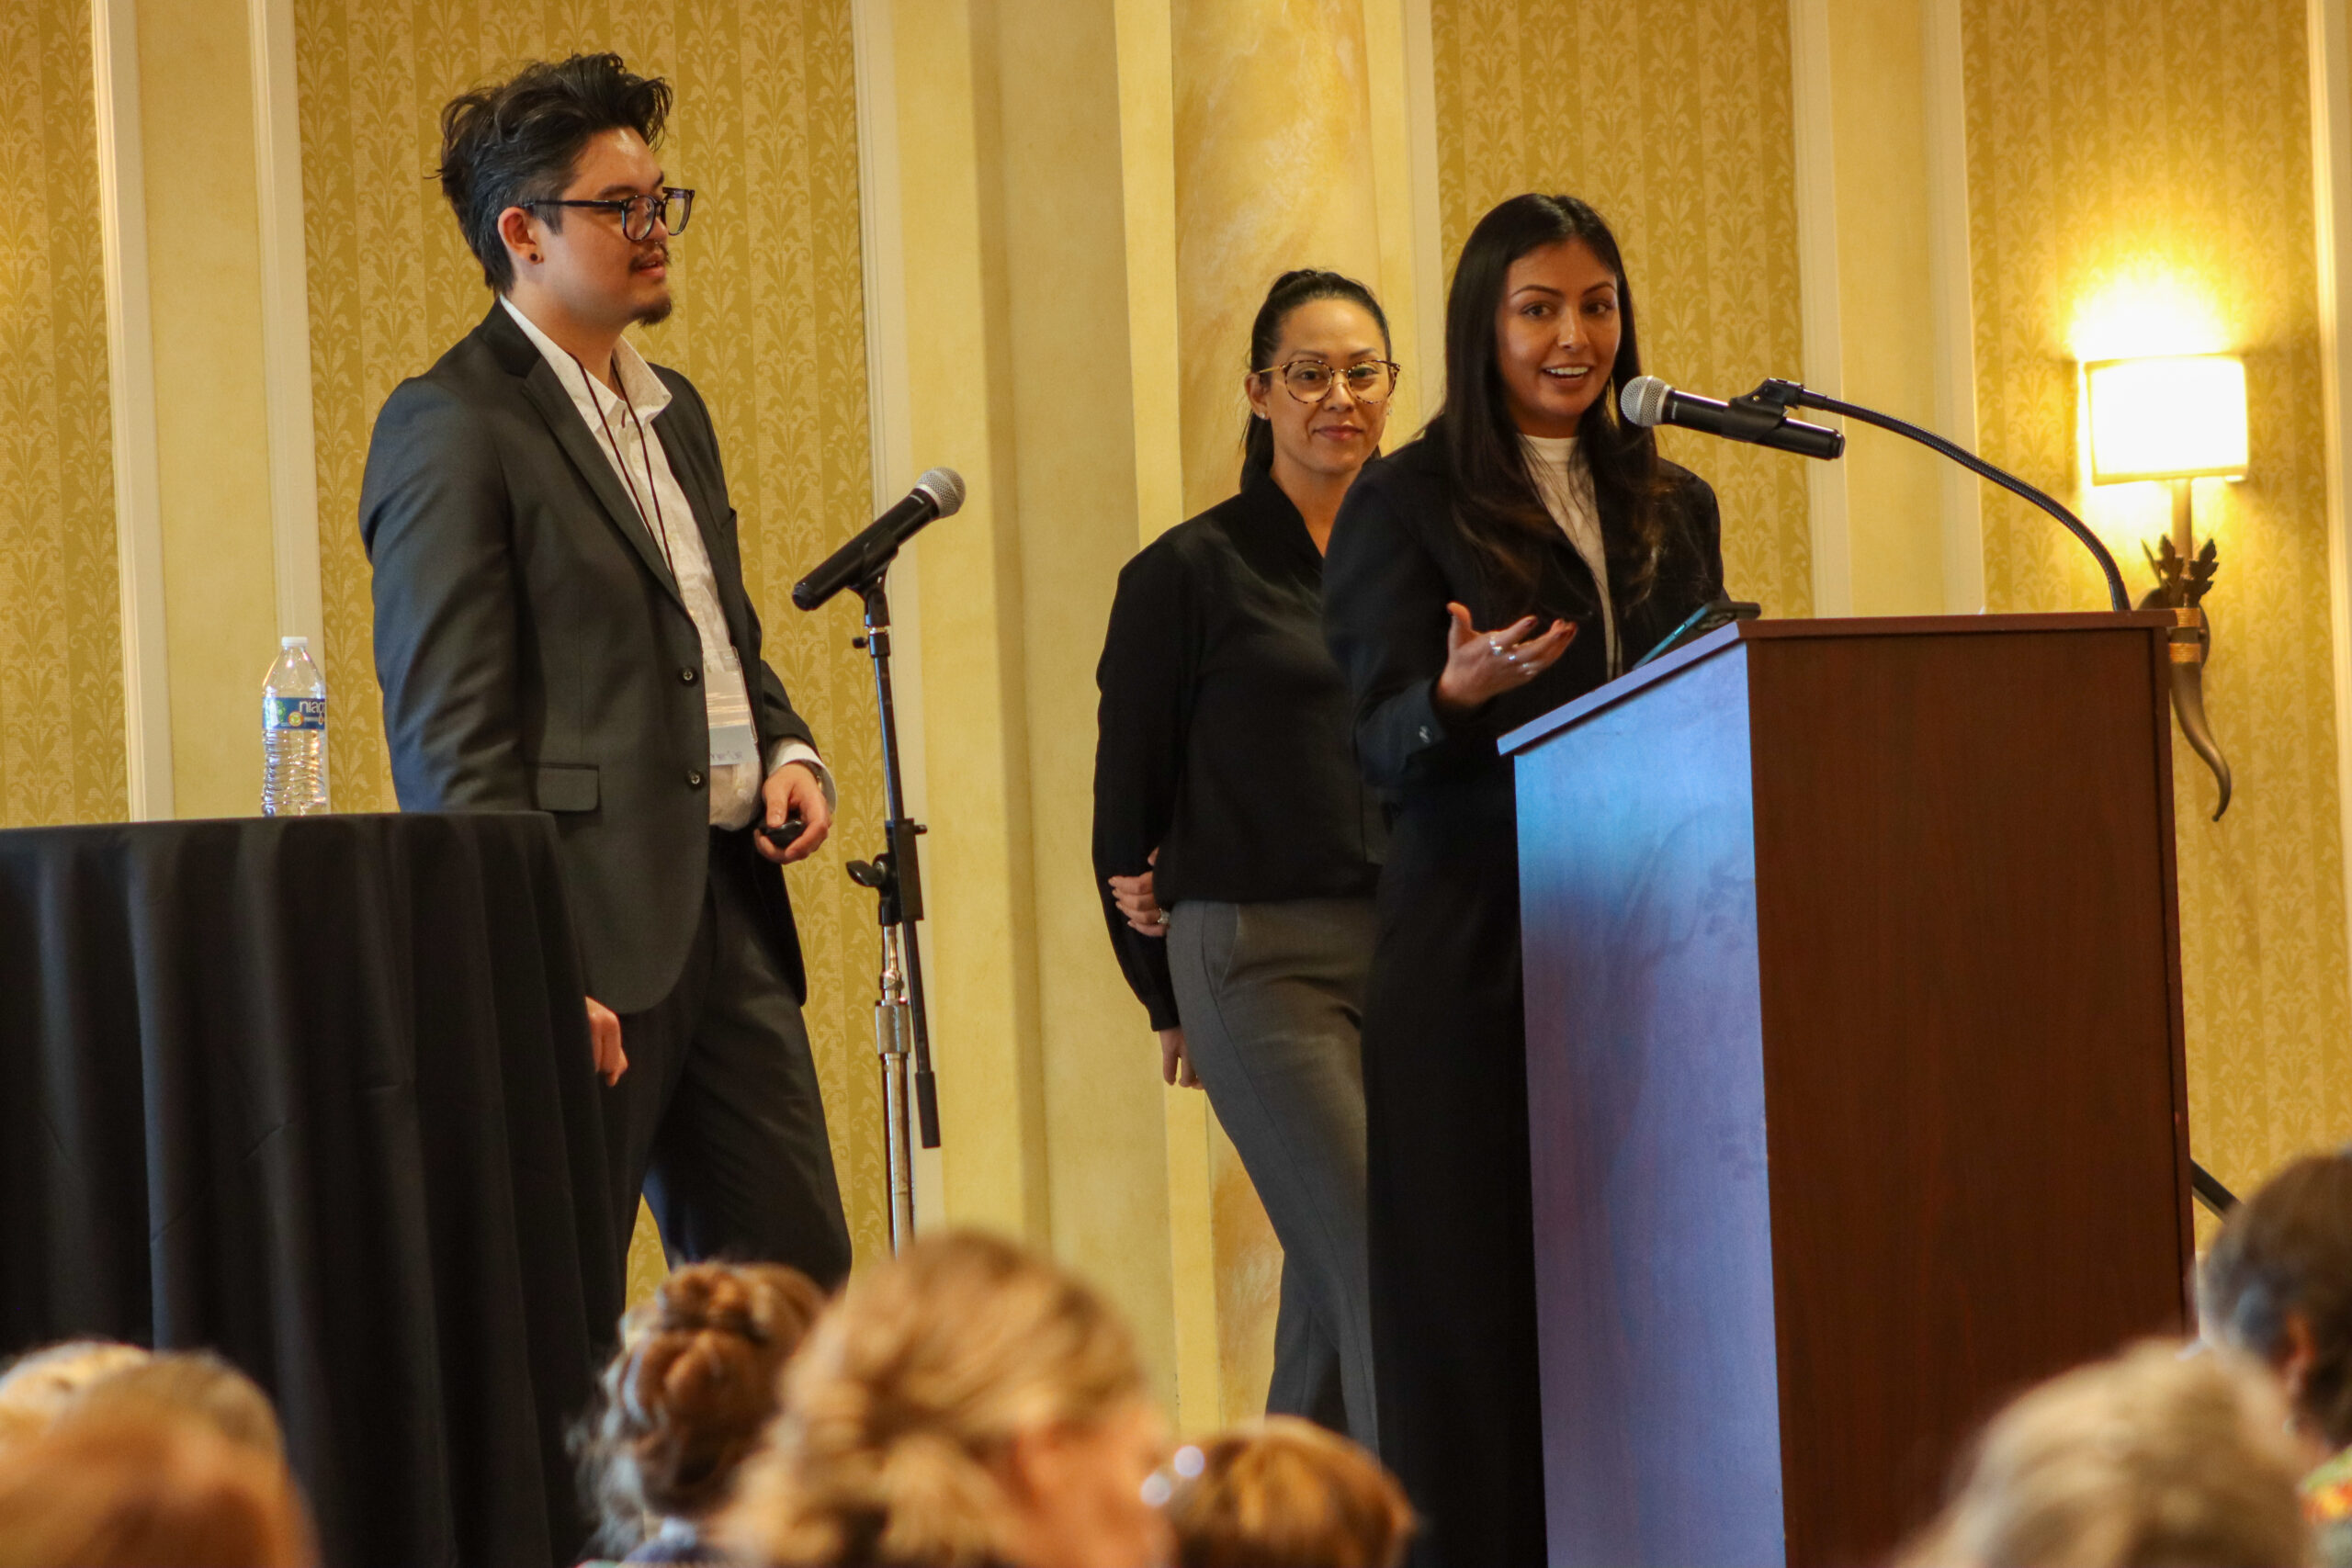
316	1092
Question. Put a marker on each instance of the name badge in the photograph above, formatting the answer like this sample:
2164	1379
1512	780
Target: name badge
733	742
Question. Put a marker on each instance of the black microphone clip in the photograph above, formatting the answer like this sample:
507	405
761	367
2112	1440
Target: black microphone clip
1763	418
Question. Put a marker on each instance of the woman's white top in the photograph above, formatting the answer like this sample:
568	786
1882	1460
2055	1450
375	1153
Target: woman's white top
1565	483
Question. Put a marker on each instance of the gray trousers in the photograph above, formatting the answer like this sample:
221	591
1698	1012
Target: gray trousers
1270	995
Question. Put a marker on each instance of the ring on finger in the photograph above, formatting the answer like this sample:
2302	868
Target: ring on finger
1495	647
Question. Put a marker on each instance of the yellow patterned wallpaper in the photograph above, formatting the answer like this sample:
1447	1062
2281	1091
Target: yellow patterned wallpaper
1672	117
2140	182
769	325
61	633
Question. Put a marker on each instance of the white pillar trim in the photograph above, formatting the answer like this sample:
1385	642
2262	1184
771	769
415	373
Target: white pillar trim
889	413
882	253
286	325
1950	279
1429	218
2330	49
130	384
1816	195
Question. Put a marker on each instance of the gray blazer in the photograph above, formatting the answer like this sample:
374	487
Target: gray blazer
534	654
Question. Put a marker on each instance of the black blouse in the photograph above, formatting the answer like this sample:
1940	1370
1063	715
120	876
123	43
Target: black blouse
1225	739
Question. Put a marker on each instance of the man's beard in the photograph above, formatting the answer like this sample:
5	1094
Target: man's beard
654	315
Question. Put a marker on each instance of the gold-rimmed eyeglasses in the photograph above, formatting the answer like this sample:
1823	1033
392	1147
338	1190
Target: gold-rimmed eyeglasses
673	204
1310	380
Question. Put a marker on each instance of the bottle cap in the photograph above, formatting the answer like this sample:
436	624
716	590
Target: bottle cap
293	642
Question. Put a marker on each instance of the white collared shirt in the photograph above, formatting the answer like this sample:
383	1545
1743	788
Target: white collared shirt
622	424
1565	483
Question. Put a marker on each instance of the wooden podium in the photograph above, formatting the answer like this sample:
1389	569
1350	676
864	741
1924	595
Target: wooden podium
1854	1061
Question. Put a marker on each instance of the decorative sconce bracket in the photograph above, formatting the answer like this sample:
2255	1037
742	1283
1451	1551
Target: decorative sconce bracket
2182	583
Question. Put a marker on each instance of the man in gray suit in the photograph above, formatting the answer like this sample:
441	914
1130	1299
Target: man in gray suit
561	625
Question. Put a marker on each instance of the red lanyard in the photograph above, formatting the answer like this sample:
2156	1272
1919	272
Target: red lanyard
660	524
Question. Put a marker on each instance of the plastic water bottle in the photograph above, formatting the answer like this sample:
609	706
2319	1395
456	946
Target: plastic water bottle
294	734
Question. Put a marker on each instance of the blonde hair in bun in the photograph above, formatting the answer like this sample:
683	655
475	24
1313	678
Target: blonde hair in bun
1283	1492
908	1389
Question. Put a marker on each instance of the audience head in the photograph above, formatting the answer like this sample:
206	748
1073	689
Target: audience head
2278	1284
196	1385
39	1383
125	1488
692	1390
1286	1493
2148	1460
964	1402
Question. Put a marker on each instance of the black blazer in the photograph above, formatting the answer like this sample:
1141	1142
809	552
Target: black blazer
534	654
1397	557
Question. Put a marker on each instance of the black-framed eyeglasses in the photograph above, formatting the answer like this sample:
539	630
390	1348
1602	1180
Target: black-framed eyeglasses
1309	380
675	205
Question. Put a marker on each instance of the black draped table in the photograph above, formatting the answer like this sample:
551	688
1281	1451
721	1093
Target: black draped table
316	1093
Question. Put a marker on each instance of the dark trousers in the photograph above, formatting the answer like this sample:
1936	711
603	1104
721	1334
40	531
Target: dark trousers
718	1121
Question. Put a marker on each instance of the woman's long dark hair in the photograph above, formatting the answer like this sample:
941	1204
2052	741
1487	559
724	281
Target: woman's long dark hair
1496	506
1292	289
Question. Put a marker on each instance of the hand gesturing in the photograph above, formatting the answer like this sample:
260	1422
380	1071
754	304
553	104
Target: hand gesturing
1481	666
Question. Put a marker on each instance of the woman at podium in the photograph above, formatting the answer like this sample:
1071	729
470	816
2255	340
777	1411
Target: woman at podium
1521	552
1225	752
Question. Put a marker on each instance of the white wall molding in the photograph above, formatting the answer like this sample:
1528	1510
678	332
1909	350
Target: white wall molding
1950	275
882	252
2330	36
1428	217
1816	193
890	439
286	325
130	383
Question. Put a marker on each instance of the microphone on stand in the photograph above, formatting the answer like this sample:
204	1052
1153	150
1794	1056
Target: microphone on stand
938	494
1646	400
901	1026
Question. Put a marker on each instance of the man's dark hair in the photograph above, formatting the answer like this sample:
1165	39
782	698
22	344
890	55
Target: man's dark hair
517	142
2288	1250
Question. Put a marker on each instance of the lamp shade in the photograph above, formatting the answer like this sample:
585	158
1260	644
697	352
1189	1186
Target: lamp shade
2176	418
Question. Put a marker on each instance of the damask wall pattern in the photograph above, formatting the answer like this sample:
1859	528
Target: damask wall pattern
2140	182
60	631
769	325
1673	117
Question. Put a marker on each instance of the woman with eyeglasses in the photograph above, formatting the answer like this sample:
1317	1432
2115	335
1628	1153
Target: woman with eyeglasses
1525	549
1236	842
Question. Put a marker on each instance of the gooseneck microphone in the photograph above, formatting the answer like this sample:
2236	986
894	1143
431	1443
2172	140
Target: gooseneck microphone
1647	401
938	494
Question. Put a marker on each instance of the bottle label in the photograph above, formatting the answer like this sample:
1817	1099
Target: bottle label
294	713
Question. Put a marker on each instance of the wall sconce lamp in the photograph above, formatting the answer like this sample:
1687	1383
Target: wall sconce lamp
2179	419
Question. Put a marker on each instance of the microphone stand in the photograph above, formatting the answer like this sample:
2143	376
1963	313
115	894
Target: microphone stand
901	1026
1785	395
